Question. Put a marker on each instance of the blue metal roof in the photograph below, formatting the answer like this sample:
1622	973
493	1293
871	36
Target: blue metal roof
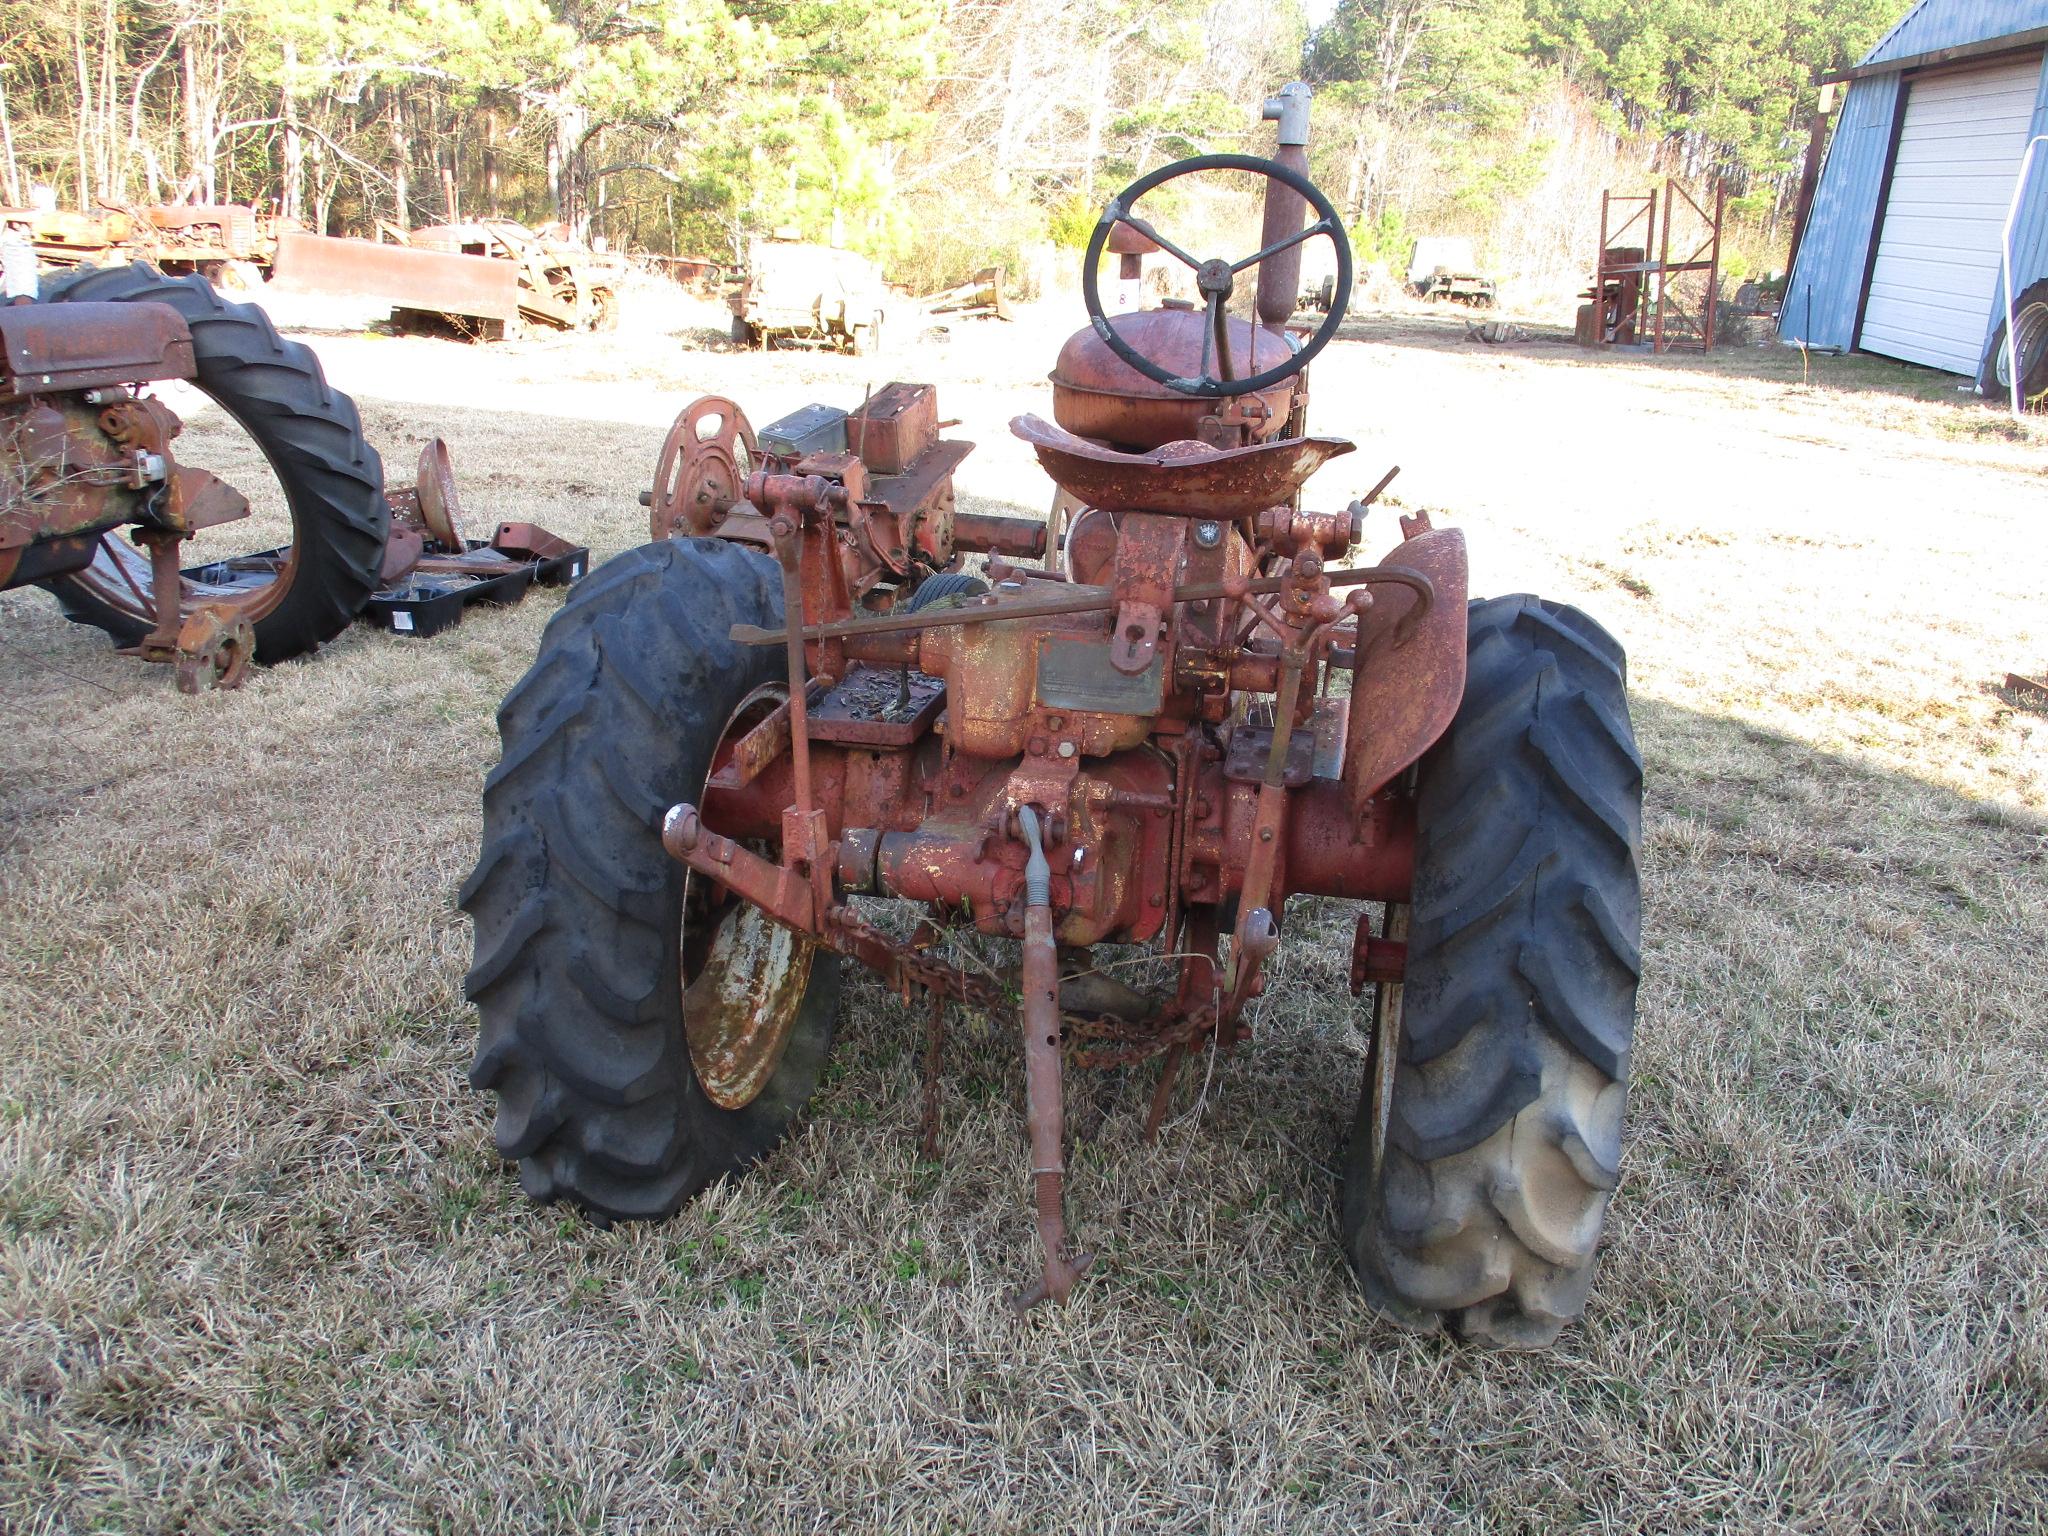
1933	25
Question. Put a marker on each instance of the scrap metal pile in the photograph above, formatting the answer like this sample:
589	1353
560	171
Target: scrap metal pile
176	238
485	279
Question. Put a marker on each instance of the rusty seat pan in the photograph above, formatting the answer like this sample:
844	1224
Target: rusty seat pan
1189	479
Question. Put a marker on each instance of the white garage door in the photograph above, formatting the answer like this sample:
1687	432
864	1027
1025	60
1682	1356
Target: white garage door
1937	257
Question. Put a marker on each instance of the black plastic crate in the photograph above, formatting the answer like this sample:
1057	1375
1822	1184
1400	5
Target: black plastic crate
424	602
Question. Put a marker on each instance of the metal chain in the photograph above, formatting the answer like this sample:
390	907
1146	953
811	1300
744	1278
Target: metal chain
1134	1041
948	981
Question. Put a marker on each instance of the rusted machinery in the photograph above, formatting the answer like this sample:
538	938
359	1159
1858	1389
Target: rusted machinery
95	506
206	238
1665	301
485	279
1193	707
808	295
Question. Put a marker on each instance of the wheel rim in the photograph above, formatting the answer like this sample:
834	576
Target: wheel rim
2031	326
1385	1054
247	585
744	976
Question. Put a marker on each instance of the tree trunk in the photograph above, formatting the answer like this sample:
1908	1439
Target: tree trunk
204	82
401	164
84	116
565	169
1098	109
195	142
13	167
491	161
292	204
103	111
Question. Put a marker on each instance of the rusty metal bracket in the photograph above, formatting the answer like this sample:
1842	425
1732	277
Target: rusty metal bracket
1090	600
214	649
1375	959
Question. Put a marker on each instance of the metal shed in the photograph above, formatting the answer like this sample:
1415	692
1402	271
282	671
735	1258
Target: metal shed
1901	251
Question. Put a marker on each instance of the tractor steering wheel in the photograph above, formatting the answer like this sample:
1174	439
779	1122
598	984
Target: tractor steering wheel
1215	279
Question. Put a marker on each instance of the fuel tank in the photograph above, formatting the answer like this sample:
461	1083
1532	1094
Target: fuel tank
1097	394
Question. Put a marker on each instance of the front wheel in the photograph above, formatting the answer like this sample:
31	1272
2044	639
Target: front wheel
644	1034
1488	1134
2030	324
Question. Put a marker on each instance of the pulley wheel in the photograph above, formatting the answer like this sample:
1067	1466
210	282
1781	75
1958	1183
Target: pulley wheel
704	462
440	506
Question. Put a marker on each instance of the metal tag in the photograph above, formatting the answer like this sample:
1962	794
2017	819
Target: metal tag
1078	674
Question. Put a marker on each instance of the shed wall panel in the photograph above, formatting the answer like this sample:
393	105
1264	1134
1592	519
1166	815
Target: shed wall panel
1936	273
1823	295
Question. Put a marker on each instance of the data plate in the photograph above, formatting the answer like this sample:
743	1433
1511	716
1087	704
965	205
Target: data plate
1076	674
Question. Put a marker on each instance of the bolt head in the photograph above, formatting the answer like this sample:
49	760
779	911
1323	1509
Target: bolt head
1067	749
1208	535
1214	277
680	826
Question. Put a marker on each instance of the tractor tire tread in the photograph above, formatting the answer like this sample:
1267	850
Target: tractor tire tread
576	904
1518	1003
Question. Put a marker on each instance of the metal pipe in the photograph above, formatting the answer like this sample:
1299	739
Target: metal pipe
2017	363
1021	538
1280	273
1083	600
1043	1112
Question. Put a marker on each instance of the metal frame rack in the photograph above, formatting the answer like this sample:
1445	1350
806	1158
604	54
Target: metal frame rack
1634	296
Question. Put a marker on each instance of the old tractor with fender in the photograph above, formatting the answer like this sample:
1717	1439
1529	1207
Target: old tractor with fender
95	505
1150	727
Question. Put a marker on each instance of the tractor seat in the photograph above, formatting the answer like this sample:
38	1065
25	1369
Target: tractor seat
1187	479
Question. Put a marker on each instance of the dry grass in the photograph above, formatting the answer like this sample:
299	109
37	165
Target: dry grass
259	1269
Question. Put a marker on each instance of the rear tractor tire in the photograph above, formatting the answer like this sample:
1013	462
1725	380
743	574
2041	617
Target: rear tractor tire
1994	376
313	438
1488	1134
600	961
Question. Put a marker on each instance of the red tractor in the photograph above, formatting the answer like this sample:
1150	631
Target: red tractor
1149	728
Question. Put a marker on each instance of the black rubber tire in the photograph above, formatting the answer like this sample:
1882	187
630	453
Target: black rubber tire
578	908
1518	1007
944	584
2029	308
311	433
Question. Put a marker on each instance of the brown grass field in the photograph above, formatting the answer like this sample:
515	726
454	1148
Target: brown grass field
260	1269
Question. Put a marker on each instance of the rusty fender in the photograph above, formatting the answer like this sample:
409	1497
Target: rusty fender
1405	690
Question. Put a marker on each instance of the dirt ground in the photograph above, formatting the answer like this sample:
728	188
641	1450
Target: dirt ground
260	1269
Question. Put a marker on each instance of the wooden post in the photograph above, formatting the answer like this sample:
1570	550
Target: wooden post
1714	261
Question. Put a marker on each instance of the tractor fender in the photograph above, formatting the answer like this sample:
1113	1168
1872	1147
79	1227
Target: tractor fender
52	348
1407	681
